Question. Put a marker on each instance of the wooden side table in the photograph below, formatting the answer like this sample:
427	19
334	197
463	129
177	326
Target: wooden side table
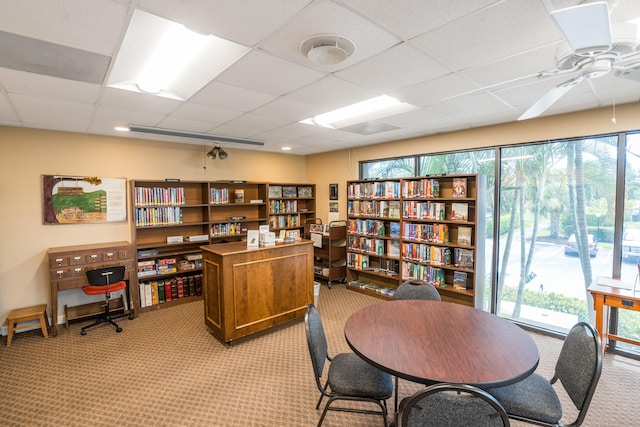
27	314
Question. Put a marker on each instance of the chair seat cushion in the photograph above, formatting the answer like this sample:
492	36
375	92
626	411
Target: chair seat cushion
533	398
101	290
349	375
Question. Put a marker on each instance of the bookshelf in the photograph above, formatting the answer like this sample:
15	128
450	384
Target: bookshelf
172	220
289	206
329	249
441	225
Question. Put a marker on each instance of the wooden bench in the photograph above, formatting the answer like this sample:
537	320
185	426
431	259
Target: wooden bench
36	313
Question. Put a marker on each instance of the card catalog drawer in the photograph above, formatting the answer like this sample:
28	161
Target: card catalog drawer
58	261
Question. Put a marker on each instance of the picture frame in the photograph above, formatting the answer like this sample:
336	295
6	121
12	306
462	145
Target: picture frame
68	199
333	191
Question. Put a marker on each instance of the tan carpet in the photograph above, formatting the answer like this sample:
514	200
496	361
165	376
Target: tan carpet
165	369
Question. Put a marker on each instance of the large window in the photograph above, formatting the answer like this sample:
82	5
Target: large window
557	212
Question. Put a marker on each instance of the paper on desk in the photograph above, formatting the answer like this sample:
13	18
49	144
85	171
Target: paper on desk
316	239
614	283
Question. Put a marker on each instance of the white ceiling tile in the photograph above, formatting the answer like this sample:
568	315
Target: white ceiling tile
118	98
245	22
287	109
331	93
266	73
398	67
228	97
39	86
94	26
257	123
410	18
214	116
327	17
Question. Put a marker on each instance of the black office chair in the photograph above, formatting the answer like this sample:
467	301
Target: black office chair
451	405
104	281
578	368
349	377
414	289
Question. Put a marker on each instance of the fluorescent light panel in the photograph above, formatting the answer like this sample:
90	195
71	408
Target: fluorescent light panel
371	109
164	58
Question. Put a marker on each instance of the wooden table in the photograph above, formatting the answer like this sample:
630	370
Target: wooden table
612	296
433	341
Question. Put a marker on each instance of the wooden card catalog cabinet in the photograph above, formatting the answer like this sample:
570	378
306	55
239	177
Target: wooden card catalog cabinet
68	266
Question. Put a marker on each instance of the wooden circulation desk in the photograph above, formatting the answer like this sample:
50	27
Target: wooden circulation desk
250	290
618	296
68	266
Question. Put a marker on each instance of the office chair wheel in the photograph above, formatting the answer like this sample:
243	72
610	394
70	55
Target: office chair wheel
131	316
118	329
83	333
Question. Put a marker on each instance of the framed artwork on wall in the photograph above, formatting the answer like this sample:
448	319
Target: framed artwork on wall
83	199
333	191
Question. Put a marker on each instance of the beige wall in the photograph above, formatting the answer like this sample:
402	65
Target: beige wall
27	154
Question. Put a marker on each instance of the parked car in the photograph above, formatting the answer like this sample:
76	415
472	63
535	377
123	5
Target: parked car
631	245
571	247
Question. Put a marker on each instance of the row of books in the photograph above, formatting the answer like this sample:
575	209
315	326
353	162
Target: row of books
147	196
375	246
221	196
228	229
371	287
412	209
433	275
160	291
284	221
432	233
164	266
168	215
428	254
427	187
370	227
374	189
378	208
283	206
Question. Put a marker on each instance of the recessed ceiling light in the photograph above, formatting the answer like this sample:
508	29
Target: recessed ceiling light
121	128
371	109
286	148
164	58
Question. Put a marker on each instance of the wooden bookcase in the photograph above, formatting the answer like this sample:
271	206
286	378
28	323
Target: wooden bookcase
172	220
330	252
401	229
289	206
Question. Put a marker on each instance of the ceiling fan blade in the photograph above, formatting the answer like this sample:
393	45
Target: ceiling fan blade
550	98
586	27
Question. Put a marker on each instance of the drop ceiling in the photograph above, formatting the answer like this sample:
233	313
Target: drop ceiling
55	59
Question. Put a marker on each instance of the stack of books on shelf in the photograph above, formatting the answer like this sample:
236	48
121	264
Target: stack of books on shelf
157	216
219	196
377	189
425	188
159	291
371	287
433	233
145	196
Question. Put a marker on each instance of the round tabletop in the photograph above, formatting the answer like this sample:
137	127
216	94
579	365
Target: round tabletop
434	342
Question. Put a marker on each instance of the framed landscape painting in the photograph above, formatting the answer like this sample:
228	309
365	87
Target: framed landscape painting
83	199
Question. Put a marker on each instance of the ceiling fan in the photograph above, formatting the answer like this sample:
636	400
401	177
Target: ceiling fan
593	49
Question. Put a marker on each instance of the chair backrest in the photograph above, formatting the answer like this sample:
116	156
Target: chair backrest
579	366
452	405
316	340
106	275
416	289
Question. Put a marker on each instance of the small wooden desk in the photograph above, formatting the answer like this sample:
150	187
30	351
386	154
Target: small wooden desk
612	296
434	342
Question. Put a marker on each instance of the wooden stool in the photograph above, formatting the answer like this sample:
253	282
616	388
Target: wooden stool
27	314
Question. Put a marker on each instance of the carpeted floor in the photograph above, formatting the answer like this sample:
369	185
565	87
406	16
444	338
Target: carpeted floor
165	369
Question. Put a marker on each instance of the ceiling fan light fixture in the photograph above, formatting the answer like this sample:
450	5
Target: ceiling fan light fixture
327	49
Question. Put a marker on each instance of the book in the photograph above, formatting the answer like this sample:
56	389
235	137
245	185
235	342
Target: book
275	191
464	235
463	257
459	211
238	196
394	229
305	192
459	187
460	280
289	192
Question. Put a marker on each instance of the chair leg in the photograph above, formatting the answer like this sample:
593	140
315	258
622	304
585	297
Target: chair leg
106	317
